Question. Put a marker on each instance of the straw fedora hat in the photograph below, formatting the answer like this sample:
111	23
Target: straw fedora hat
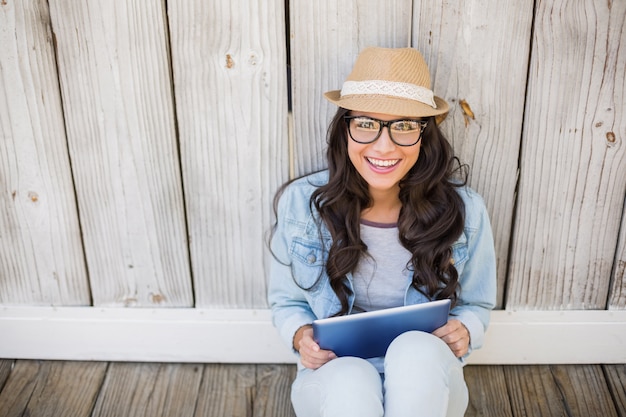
393	81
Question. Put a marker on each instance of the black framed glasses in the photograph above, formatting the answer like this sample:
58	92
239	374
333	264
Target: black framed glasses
403	132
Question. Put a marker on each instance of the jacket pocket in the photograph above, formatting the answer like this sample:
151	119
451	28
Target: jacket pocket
460	252
308	263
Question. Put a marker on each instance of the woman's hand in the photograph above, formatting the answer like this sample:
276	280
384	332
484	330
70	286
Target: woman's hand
456	335
311	355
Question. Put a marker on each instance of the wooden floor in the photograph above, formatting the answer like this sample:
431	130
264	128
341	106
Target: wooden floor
48	388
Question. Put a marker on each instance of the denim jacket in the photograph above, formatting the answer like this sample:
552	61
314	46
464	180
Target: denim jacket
299	289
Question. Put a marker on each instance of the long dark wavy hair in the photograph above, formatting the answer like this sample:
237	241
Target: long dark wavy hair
431	218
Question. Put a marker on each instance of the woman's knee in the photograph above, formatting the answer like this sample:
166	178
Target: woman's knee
354	370
417	345
343	382
341	374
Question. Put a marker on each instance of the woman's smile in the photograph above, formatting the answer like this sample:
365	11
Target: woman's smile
382	163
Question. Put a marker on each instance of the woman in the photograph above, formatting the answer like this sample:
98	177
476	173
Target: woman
390	223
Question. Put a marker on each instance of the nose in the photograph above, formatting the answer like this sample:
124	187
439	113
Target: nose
384	143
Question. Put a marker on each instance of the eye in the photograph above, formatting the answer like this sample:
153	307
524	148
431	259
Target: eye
363	123
405	126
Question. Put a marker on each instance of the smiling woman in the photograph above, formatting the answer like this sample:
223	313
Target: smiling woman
389	223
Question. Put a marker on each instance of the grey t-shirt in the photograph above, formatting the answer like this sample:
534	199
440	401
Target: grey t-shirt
380	279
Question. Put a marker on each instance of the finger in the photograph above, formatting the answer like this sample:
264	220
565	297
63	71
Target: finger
446	329
316	360
460	347
312	351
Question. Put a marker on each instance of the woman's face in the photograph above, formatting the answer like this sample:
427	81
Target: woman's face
382	163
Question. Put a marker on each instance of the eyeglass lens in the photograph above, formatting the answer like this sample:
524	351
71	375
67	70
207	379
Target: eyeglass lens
402	132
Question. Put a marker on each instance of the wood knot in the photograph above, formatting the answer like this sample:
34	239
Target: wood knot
610	137
157	298
229	61
467	111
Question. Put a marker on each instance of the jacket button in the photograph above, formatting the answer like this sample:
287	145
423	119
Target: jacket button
311	258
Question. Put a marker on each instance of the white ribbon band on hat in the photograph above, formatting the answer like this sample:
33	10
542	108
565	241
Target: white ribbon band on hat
390	88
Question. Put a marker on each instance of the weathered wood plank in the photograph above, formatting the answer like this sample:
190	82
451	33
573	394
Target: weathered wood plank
326	37
573	163
560	390
584	390
226	390
616	380
229	64
41	256
175	391
52	388
533	391
273	391
116	86
470	60
139	389
617	297
488	394
5	369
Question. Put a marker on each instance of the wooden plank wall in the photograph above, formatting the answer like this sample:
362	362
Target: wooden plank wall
573	181
120	126
142	142
41	252
231	104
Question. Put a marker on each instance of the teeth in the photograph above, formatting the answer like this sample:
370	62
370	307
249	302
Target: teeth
383	163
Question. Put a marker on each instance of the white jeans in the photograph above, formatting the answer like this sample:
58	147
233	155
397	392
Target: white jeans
422	378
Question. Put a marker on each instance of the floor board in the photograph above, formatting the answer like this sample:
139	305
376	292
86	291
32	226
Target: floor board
616	380
226	390
534	392
273	387
44	389
488	395
560	390
142	389
5	370
97	389
584	390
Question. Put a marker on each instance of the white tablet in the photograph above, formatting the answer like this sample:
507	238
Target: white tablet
368	335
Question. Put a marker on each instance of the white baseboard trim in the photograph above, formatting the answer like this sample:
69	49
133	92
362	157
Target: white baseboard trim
247	336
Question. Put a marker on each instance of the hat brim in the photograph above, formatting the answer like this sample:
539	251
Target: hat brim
389	105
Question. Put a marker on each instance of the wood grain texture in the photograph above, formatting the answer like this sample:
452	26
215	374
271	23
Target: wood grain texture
616	379
41	255
138	389
584	390
272	397
118	106
573	161
488	394
226	390
478	52
617	296
159	390
326	37
533	391
229	65
562	390
6	365
52	389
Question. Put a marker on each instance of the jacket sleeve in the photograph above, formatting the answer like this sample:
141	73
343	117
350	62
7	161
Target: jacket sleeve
478	276
290	308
